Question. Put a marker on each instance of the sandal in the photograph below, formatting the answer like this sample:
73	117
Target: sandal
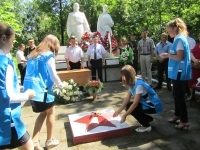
37	146
173	119
51	143
182	126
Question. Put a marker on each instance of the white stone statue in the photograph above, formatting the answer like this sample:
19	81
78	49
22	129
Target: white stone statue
104	22
77	23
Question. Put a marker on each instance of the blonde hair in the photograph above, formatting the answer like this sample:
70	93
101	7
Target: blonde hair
123	39
49	43
129	73
179	24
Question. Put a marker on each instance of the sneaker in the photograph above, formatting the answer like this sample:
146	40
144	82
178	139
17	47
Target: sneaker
143	129
51	143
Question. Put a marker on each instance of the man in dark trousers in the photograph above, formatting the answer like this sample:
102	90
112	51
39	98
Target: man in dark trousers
162	47
96	58
133	45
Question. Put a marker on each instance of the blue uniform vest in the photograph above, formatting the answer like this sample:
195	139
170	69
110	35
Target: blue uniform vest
9	111
37	77
174	65
152	97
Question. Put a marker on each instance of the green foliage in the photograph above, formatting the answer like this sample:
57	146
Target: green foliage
37	18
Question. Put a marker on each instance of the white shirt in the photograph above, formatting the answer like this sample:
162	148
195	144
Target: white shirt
20	56
140	90
74	54
100	50
191	42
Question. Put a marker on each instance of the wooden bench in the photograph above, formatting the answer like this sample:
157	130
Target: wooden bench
80	76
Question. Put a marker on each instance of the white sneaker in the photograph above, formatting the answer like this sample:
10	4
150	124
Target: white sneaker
142	129
51	143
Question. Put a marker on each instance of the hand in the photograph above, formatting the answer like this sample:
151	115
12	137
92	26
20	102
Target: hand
68	68
123	118
21	88
164	55
65	84
161	60
115	114
151	60
31	93
196	61
103	64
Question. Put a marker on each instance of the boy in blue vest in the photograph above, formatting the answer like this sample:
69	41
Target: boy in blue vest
13	132
145	101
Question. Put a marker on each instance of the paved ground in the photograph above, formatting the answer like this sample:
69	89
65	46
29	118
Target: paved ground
162	137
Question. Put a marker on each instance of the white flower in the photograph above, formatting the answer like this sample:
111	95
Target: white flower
69	87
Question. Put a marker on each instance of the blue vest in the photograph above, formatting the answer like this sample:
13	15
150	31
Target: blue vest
9	111
184	65
152	96
37	77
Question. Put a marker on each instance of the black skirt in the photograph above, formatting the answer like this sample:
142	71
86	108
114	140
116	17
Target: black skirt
41	106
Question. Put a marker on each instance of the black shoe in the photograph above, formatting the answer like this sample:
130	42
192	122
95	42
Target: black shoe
157	87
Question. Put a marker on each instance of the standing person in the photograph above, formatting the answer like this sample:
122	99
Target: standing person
179	69
122	51
195	56
146	101
13	132
74	55
192	44
162	47
133	45
29	49
145	56
21	60
41	76
96	58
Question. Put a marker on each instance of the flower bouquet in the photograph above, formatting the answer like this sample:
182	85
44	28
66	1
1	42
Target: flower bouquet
68	94
106	44
93	87
85	41
126	56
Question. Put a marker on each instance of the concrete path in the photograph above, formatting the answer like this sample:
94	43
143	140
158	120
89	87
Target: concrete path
162	137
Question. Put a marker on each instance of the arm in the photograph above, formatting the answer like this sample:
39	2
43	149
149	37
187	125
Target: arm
131	108
124	103
15	97
68	65
193	58
52	72
82	62
67	60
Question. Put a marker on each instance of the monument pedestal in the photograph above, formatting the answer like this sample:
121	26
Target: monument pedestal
95	126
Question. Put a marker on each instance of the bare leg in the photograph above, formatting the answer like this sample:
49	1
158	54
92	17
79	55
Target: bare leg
191	95
50	122
27	146
38	125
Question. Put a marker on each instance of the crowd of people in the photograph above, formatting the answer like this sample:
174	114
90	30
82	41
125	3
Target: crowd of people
38	77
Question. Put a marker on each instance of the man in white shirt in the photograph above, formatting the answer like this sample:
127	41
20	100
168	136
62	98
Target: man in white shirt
96	57
74	55
21	60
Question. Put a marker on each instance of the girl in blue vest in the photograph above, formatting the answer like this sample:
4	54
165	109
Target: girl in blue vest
179	69
145	101
41	76
13	132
